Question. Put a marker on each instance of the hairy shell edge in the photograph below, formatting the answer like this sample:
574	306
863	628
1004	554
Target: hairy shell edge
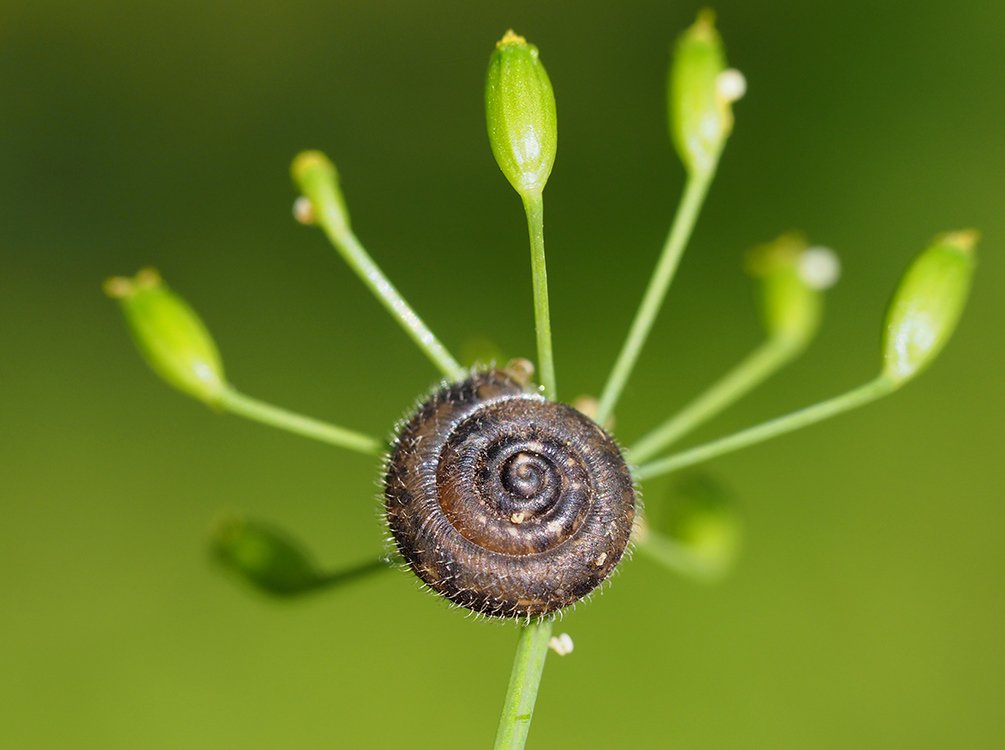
506	503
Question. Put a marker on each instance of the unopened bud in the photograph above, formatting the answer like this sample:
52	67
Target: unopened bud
169	335
520	114
792	277
263	556
701	93
927	305
317	179
702	516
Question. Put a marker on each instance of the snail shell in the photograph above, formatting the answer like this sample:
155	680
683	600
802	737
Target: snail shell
504	502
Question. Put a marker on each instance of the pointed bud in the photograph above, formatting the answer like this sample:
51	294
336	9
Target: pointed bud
701	93
169	335
927	305
520	113
792	278
263	556
317	179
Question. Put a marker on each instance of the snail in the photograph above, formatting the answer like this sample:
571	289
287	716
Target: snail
504	502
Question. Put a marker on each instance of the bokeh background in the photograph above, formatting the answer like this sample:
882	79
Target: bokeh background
867	610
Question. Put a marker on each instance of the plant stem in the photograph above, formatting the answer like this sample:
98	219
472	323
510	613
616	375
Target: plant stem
779	426
528	664
329	215
743	378
351	574
534	206
245	406
680	231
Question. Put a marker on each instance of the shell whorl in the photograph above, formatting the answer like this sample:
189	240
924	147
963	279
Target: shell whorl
504	502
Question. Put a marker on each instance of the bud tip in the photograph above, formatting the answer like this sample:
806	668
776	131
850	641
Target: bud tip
120	287
704	23
117	287
308	161
963	239
510	37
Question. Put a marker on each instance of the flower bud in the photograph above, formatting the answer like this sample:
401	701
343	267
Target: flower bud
701	93
927	305
169	335
702	517
263	556
520	113
316	177
792	277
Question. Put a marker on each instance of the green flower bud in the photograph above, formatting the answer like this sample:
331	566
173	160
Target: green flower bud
263	556
520	112
702	516
169	335
701	93
927	305
792	278
316	177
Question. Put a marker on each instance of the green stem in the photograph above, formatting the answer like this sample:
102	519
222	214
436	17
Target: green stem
330	215
534	206
753	435
680	231
341	577
528	664
747	375
259	411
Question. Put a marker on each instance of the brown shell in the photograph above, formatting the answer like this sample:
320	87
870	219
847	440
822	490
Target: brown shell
504	502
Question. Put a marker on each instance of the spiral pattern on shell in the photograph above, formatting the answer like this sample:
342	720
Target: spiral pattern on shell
504	502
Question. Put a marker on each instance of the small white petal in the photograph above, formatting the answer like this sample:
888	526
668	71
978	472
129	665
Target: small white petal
561	644
731	85
303	211
820	267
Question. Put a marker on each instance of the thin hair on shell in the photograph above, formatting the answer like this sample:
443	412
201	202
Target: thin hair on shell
506	503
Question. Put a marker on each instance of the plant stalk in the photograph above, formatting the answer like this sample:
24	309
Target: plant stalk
534	206
673	248
860	396
528	664
743	378
259	411
329	217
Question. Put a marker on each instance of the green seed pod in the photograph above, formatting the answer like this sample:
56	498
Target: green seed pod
520	113
702	516
169	335
926	307
701	93
263	556
316	177
792	278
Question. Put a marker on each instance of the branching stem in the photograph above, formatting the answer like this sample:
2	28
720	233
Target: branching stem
743	378
860	396
676	241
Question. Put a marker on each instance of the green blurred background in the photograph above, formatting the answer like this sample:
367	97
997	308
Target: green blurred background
867	610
